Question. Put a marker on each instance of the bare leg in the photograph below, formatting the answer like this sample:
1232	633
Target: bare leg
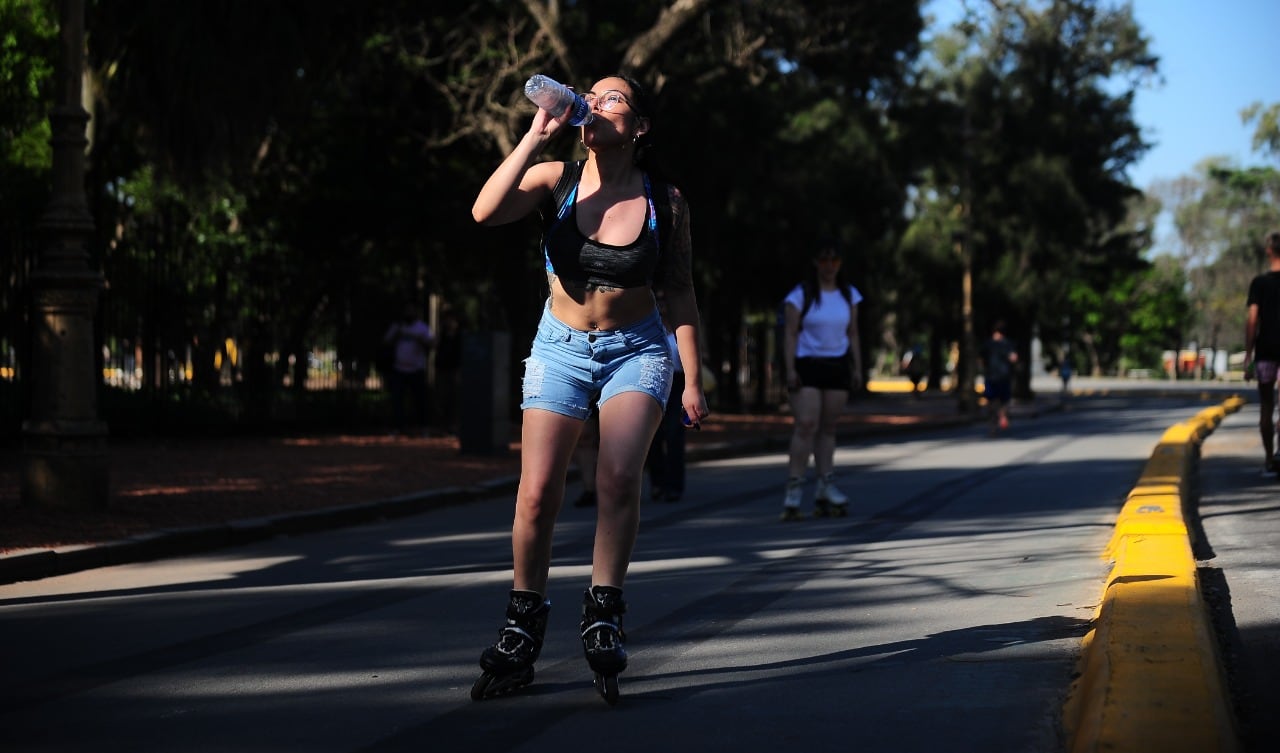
824	444
1266	420
627	424
806	405
586	456
547	442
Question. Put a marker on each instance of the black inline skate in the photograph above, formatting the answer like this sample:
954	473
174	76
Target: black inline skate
508	664
602	637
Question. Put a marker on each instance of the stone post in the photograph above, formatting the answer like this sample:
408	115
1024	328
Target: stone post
484	423
64	459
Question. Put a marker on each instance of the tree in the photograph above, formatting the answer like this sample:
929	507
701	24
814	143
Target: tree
28	48
1266	135
1037	100
1221	215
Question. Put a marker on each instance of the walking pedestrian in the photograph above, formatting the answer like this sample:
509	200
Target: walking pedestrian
411	341
1262	347
823	364
666	453
448	367
613	233
999	357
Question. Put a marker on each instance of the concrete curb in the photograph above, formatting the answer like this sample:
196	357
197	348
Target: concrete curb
1150	675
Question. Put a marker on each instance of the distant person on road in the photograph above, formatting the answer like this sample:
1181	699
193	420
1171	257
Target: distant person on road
999	358
913	366
823	364
666	452
448	368
411	341
613	234
1064	373
1262	346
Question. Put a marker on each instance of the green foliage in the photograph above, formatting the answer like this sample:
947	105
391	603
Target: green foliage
1266	135
1027	130
285	173
1221	220
28	43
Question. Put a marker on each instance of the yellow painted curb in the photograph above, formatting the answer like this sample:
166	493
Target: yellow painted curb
1145	515
1150	676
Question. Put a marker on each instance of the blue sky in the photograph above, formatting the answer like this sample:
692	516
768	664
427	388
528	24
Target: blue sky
1216	58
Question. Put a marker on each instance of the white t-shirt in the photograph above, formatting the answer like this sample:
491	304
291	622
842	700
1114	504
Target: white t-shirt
824	329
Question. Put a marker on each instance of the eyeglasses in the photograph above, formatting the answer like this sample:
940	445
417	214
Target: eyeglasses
607	101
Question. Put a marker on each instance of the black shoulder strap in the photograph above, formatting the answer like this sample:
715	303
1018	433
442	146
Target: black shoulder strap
568	179
662	205
562	196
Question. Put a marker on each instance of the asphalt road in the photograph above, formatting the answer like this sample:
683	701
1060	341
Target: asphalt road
944	614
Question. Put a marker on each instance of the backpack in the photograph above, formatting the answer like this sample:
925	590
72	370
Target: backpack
566	190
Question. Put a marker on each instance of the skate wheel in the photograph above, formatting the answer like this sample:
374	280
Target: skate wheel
607	685
491	686
480	686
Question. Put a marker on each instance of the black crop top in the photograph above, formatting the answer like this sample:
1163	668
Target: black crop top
574	257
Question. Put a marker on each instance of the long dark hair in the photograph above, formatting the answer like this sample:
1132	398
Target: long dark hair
642	104
810	285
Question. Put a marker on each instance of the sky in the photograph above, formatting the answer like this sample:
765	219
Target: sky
1216	58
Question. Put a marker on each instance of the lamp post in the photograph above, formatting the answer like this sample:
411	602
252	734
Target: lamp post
63	442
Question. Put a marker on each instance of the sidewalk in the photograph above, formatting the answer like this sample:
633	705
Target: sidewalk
182	496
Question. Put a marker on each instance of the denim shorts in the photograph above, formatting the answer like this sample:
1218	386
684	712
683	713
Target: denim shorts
569	370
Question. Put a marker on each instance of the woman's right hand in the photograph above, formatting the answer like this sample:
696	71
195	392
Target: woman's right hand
544	125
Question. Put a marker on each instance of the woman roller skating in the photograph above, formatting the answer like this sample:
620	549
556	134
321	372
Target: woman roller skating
612	235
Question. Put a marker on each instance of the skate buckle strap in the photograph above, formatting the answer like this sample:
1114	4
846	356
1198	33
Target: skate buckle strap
604	625
507	632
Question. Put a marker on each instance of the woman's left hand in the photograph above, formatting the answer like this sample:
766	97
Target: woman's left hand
695	406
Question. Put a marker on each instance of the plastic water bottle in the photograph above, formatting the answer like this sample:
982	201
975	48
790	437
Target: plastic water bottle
555	98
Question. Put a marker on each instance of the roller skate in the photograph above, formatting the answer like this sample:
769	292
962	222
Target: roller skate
829	502
791	501
602	637
508	664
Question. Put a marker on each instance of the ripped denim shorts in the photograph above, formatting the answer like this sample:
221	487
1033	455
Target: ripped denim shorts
569	370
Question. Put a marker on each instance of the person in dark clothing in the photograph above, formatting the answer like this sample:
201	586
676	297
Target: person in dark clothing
666	453
999	357
1262	346
411	339
448	364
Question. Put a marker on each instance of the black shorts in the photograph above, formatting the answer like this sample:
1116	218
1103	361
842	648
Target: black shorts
825	373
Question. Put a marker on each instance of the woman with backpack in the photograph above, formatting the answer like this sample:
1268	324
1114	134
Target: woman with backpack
823	364
612	234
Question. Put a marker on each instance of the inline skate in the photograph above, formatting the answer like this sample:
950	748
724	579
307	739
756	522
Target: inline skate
508	664
829	502
602	637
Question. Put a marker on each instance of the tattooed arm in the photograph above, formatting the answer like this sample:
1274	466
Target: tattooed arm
682	305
